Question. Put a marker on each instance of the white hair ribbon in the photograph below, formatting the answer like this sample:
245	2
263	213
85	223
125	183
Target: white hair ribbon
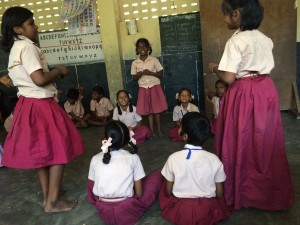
106	144
131	137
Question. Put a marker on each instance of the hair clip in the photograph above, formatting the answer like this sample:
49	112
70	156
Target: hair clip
177	96
131	137
106	144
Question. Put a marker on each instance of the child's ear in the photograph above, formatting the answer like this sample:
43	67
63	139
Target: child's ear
185	137
17	30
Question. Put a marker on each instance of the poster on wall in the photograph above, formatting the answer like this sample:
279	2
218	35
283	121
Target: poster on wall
61	48
71	8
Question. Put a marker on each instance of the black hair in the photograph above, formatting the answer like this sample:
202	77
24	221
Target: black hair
73	94
197	126
98	89
181	90
14	16
251	12
221	82
130	104
120	135
145	42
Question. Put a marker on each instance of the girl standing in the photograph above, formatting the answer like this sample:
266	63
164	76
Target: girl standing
147	70
117	185
41	136
249	136
126	113
184	98
192	191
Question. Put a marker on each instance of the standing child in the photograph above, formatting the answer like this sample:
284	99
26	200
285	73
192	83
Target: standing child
41	136
101	107
192	191
74	107
216	99
249	134
147	70
184	98
126	113
117	185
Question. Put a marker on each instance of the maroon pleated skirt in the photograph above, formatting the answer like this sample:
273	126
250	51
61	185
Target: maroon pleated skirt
151	101
193	211
141	134
41	135
249	141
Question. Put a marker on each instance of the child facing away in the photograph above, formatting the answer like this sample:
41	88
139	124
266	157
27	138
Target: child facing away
41	137
184	98
148	71
249	135
216	100
74	107
126	113
101	108
192	191
117	185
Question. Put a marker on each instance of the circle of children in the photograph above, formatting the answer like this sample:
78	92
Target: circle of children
249	169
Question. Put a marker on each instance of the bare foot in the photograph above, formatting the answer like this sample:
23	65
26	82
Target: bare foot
60	206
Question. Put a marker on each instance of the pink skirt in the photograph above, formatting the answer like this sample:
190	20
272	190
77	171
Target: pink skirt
213	123
173	134
151	101
249	141
41	134
129	211
192	211
141	134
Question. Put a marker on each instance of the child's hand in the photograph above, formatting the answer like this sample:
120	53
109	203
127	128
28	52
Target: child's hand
63	70
147	72
212	67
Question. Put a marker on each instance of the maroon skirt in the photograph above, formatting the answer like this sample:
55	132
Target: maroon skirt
249	141
192	211
129	211
41	134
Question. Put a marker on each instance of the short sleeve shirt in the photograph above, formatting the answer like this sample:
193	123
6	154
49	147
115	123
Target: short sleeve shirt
247	52
102	108
127	117
153	65
179	112
25	58
115	179
195	177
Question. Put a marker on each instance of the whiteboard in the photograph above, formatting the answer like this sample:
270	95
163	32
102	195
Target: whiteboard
61	48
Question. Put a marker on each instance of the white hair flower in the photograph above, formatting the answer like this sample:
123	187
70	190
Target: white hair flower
177	96
106	144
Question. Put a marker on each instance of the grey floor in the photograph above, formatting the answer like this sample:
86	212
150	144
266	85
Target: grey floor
20	197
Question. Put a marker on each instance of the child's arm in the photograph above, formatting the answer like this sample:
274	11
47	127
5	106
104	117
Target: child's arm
137	76
219	190
169	187
80	90
138	124
138	188
226	76
155	74
41	78
5	80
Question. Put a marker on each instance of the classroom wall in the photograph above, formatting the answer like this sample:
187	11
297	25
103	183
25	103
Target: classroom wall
279	24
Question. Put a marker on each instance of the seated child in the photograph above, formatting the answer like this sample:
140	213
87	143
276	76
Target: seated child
126	113
192	191
74	108
216	99
184	98
117	185
101	108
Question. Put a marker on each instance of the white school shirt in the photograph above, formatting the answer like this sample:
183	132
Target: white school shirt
194	177
115	179
76	108
130	119
246	52
153	65
216	101
25	58
179	112
102	108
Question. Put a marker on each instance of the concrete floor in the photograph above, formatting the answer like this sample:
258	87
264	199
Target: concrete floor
21	198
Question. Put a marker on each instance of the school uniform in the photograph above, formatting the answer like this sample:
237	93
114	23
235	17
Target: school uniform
178	113
102	108
110	187
151	98
41	132
130	119
249	137
76	108
194	172
216	102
